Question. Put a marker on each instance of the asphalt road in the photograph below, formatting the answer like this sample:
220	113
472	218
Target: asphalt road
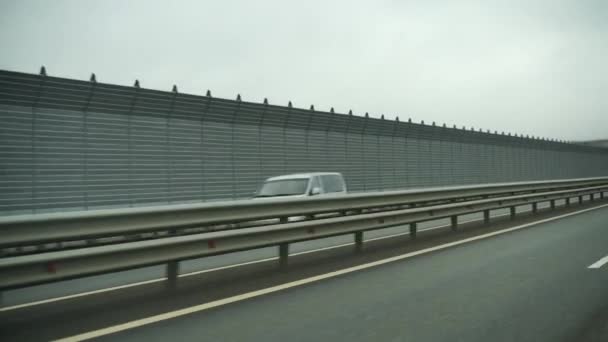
529	285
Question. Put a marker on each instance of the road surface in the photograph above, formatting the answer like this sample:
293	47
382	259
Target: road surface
545	282
530	285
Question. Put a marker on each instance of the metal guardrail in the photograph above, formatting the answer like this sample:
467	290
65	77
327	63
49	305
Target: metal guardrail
57	227
423	205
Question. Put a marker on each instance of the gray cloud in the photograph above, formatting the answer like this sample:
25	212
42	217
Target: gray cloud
519	66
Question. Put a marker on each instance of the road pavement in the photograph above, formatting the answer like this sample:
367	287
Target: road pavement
530	285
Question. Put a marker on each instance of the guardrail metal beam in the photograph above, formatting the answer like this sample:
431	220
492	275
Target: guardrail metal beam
56	227
53	266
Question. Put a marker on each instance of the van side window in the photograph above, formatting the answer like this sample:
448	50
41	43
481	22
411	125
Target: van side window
315	183
332	183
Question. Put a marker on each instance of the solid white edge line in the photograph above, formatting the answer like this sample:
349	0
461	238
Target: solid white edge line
189	274
82	294
599	263
257	293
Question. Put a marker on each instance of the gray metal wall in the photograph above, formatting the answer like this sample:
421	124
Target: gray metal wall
68	144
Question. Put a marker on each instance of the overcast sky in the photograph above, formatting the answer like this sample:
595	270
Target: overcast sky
531	67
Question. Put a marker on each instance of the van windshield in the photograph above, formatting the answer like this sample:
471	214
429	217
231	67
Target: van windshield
285	187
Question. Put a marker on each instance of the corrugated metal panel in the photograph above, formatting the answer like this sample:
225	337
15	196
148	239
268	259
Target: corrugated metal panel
73	145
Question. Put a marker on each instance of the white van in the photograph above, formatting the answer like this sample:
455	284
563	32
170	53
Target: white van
303	185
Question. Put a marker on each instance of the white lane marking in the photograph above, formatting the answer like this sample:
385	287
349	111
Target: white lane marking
216	303
599	263
56	299
189	274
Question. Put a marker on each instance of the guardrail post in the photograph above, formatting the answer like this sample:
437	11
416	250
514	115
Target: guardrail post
601	194
486	216
552	204
592	197
172	271
283	254
512	212
580	199
567	201
358	241
454	223
534	207
413	230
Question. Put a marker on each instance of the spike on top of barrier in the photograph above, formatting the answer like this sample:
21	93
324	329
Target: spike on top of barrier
290	105
350	112
382	117
422	122
409	120
136	84
433	123
265	101
366	114
174	88
454	127
397	118
331	110
42	71
312	107
93	78
464	128
238	97
444	126
208	93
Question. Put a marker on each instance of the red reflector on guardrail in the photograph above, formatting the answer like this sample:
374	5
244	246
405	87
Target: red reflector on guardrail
51	267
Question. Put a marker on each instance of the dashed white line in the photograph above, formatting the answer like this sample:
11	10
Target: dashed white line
201	307
599	263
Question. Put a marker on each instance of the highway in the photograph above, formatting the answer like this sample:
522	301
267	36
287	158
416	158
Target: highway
534	284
